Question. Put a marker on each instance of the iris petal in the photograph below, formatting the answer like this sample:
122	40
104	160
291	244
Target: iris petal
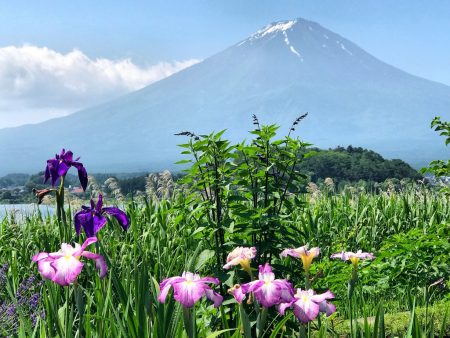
82	174
67	270
283	306
98	222
100	262
327	308
238	294
268	294
323	296
188	293
121	217
214	297
63	168
81	217
99	205
67	156
305	310
45	268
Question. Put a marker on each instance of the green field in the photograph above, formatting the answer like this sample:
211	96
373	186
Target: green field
250	195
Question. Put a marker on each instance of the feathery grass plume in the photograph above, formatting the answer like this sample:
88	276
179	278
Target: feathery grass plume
151	186
48	200
391	189
94	187
75	201
113	185
139	197
165	189
314	191
329	182
160	186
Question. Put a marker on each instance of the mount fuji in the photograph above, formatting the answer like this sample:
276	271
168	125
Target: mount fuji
278	73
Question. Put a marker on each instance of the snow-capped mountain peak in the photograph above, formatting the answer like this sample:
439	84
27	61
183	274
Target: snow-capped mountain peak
281	26
299	35
273	28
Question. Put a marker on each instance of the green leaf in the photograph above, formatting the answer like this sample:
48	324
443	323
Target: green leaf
203	258
218	333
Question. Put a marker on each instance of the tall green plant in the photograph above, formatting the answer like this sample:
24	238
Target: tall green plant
209	179
267	183
244	193
440	168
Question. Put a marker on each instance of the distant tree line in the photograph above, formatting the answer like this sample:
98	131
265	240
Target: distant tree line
351	164
354	164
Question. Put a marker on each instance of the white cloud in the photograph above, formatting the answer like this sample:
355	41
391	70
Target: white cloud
37	83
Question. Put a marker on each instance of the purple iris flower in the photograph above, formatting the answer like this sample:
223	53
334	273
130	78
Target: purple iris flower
268	290
92	218
189	288
60	165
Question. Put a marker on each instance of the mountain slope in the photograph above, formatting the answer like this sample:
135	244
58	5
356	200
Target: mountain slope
278	73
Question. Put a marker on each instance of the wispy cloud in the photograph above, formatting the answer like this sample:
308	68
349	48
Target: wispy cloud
37	83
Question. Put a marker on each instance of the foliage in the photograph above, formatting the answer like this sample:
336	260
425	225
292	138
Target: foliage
244	194
353	164
164	240
416	258
131	185
12	180
396	325
440	168
243	189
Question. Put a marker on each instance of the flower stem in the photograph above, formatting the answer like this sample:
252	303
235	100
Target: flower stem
261	321
66	312
189	321
245	322
302	331
351	288
61	200
80	304
60	213
307	281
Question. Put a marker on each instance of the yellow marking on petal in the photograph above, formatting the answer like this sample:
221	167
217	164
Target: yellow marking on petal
245	265
354	260
307	260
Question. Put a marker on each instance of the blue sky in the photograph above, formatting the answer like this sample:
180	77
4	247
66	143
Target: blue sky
412	35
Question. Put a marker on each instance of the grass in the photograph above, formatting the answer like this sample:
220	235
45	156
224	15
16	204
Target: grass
164	240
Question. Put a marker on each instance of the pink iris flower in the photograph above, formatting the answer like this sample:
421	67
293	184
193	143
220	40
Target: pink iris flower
307	305
241	256
189	288
64	266
304	254
353	257
269	291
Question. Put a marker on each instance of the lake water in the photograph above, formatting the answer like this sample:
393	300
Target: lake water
21	210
